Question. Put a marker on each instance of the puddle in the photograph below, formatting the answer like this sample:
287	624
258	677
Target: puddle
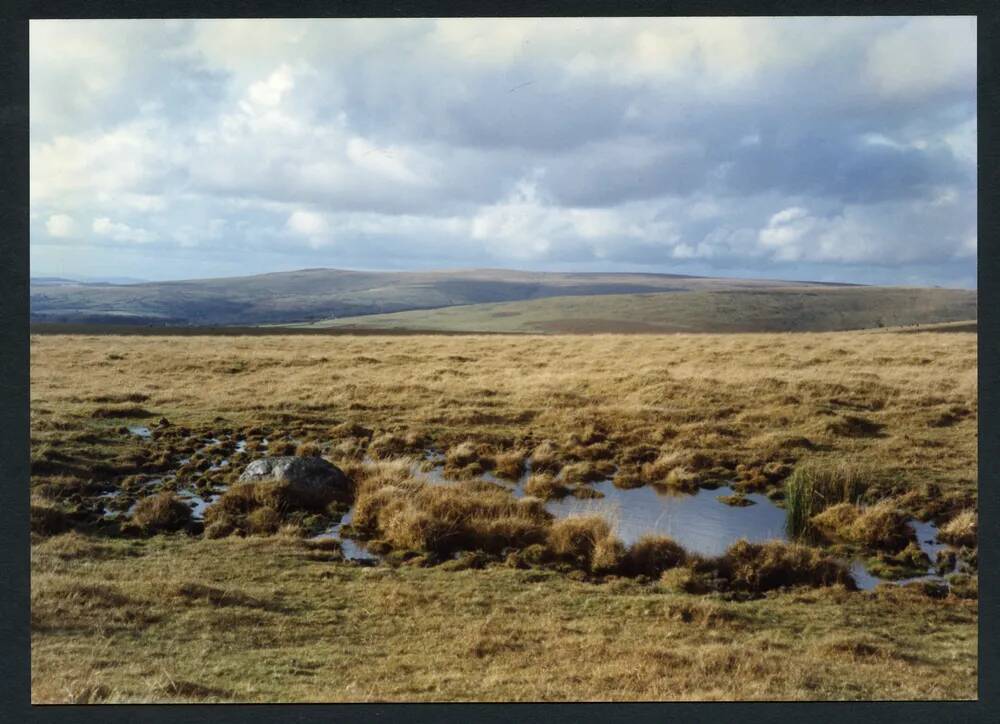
196	502
140	430
352	549
697	521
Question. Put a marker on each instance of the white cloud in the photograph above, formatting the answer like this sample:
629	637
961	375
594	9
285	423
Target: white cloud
121	232
307	223
923	55
270	91
119	161
785	231
60	226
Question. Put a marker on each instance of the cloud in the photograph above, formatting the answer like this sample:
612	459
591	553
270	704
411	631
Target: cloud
307	223
60	226
759	146
121	232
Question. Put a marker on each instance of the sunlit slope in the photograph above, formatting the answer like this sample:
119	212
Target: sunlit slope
815	309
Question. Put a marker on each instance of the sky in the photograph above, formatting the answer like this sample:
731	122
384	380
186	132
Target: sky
832	149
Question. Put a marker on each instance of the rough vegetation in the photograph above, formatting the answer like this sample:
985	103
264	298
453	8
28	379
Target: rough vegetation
962	530
466	557
170	619
160	513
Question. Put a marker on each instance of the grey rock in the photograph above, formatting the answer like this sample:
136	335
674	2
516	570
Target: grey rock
312	481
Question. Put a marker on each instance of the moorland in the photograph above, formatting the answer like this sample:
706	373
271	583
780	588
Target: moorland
470	589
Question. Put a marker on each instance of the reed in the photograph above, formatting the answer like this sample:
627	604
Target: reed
814	487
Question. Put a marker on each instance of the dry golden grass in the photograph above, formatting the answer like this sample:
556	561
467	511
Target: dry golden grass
733	399
265	620
673	410
961	530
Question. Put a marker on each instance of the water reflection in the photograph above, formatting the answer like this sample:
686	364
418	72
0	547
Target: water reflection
697	521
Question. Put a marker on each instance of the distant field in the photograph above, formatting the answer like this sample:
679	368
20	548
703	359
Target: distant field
798	309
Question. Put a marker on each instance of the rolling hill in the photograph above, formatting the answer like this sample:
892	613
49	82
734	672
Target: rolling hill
776	309
319	294
491	300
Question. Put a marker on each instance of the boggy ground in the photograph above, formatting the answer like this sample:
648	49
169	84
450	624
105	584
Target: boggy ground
681	411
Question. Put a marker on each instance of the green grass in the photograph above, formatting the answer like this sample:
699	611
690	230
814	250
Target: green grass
812	488
759	310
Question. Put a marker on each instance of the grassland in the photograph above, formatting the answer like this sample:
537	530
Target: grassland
266	619
185	617
782	309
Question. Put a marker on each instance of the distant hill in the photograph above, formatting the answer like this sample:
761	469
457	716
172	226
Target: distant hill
774	309
313	295
53	280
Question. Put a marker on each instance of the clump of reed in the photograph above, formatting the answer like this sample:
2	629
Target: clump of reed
813	487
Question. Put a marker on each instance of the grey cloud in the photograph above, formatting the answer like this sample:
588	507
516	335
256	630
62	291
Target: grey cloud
413	144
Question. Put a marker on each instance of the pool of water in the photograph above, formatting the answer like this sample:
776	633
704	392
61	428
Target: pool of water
697	521
140	430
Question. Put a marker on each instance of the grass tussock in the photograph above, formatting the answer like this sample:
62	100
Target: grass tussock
855	426
962	530
122	412
47	520
411	515
308	449
545	458
545	487
880	526
652	555
585	542
509	465
759	567
197	592
389	445
163	512
265	509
